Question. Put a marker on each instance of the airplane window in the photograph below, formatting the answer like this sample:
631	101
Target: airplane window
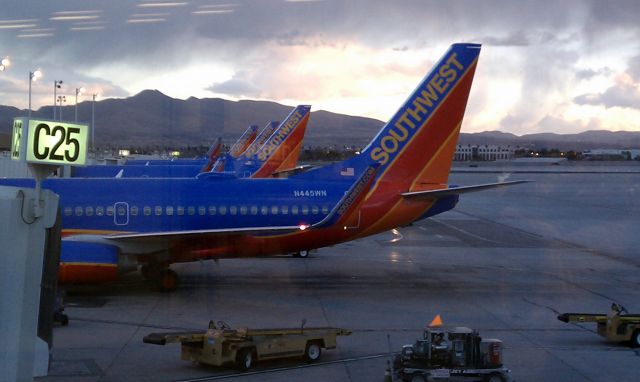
305	210
233	210
110	211
78	211
202	211
158	210
264	210
315	210
68	211
191	211
243	210
88	211
180	210
147	210
212	210
285	210
294	210
134	211
254	210
325	210
99	211
223	210
169	210
122	211
274	210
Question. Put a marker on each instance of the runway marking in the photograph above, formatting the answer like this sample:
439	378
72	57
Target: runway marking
279	369
467	232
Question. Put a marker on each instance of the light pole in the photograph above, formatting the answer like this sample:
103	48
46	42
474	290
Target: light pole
57	84
4	64
78	91
33	77
93	121
61	99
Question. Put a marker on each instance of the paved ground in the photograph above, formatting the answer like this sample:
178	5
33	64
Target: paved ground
505	262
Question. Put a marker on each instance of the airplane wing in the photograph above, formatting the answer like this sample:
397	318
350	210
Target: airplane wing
459	190
183	235
292	171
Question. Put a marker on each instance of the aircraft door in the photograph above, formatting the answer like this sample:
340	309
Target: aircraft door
121	213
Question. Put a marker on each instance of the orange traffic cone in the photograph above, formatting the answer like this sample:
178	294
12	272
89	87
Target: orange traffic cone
437	321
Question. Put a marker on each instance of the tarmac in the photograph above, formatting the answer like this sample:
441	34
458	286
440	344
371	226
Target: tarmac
505	262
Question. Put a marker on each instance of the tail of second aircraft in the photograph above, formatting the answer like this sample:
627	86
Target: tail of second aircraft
414	150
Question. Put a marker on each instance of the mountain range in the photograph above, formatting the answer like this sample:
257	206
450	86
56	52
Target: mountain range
150	118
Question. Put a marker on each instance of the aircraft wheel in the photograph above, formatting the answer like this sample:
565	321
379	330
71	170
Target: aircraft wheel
635	339
168	280
244	359
301	254
312	352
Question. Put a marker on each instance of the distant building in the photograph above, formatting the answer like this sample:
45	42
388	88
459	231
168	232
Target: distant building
483	153
611	154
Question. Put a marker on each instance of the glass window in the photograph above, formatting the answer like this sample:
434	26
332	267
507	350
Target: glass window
284	209
68	211
88	211
180	210
233	210
134	211
294	210
222	210
99	211
202	211
274	210
212	210
110	211
264	210
158	210
305	210
122	210
78	211
325	210
169	210
243	210
191	211
146	210
315	210
254	210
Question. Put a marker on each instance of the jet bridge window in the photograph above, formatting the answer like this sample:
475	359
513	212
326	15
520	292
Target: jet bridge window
99	211
88	211
78	211
169	210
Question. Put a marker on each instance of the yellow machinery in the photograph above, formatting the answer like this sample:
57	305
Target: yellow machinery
614	326
222	345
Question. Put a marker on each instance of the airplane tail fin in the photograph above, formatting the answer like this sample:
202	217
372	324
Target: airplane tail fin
212	155
415	148
282	148
261	138
244	141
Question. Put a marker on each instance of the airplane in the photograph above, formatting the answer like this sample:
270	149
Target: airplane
112	226
277	148
244	142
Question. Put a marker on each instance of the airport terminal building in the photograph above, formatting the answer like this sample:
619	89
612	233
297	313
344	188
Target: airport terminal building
483	153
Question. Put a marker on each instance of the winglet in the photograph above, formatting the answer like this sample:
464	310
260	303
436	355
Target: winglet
351	199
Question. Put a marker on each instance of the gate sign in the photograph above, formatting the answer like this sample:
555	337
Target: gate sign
49	142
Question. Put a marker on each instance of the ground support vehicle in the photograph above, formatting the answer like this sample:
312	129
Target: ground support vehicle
614	326
221	345
451	354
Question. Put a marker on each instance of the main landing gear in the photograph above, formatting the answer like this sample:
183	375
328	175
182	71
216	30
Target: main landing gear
301	254
164	278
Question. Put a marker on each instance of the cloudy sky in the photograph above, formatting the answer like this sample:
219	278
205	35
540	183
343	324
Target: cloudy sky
546	66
